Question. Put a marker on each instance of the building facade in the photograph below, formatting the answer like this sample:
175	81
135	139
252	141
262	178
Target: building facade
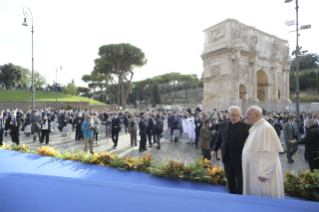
243	65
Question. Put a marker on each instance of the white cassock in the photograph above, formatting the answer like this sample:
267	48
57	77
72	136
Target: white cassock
260	157
189	127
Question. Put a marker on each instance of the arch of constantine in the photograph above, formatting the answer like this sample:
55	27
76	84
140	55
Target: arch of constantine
244	66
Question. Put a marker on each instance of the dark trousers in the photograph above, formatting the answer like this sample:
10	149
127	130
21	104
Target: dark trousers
234	175
143	142
206	153
313	164
96	136
291	150
197	132
149	137
1	137
45	133
154	136
35	132
158	140
115	137
15	136
126	128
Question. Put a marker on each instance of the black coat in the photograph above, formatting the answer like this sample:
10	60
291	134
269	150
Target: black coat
142	127
150	125
64	120
198	124
11	126
116	122
213	138
173	122
239	139
311	140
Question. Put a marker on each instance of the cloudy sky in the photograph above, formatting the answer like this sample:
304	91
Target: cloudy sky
170	32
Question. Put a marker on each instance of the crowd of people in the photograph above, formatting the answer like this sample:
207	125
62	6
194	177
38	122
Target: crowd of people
240	136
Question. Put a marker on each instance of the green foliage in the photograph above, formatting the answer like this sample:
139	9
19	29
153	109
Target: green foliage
200	83
318	80
307	80
39	80
308	61
304	98
193	101
302	184
197	171
71	89
117	162
10	74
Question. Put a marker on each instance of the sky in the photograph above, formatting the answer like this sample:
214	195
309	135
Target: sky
169	32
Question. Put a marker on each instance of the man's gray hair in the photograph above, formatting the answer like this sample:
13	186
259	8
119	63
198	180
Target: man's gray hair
231	108
311	121
257	109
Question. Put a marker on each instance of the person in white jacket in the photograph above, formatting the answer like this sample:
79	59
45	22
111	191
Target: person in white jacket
262	173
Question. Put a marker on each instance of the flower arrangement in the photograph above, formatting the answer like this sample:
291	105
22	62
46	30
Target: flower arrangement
302	184
200	171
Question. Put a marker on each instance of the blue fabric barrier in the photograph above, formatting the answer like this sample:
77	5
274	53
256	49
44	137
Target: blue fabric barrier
38	183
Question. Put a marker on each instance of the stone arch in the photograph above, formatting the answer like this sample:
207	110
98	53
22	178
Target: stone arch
242	92
262	86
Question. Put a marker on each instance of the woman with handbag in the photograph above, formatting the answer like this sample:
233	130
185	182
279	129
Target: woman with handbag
45	129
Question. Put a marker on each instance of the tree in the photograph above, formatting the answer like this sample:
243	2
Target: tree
84	91
308	61
39	80
157	94
122	58
187	81
10	74
318	80
26	77
70	89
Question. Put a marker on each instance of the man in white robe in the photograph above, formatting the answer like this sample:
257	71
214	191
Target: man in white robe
262	173
188	127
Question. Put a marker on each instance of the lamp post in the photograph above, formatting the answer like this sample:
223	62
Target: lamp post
25	13
56	87
298	54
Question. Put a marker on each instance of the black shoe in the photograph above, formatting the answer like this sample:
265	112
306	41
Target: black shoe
145	149
158	147
217	158
290	162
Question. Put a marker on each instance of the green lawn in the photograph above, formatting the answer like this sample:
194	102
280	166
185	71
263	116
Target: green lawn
43	97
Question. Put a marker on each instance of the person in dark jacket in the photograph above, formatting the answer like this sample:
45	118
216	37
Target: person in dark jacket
125	122
14	127
150	128
1	129
311	141
45	128
115	130
198	125
143	126
158	130
78	131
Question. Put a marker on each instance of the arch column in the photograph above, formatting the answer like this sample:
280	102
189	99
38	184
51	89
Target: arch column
275	83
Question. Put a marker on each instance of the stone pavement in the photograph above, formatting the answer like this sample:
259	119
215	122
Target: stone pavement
180	151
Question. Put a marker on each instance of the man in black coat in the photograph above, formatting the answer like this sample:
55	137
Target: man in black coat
158	130
213	127
143	126
14	127
78	131
173	120
150	128
231	138
198	125
311	141
115	129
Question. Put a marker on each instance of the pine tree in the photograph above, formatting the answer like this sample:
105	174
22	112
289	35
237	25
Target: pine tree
156	94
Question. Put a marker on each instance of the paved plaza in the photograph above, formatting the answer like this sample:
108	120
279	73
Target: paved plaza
179	151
